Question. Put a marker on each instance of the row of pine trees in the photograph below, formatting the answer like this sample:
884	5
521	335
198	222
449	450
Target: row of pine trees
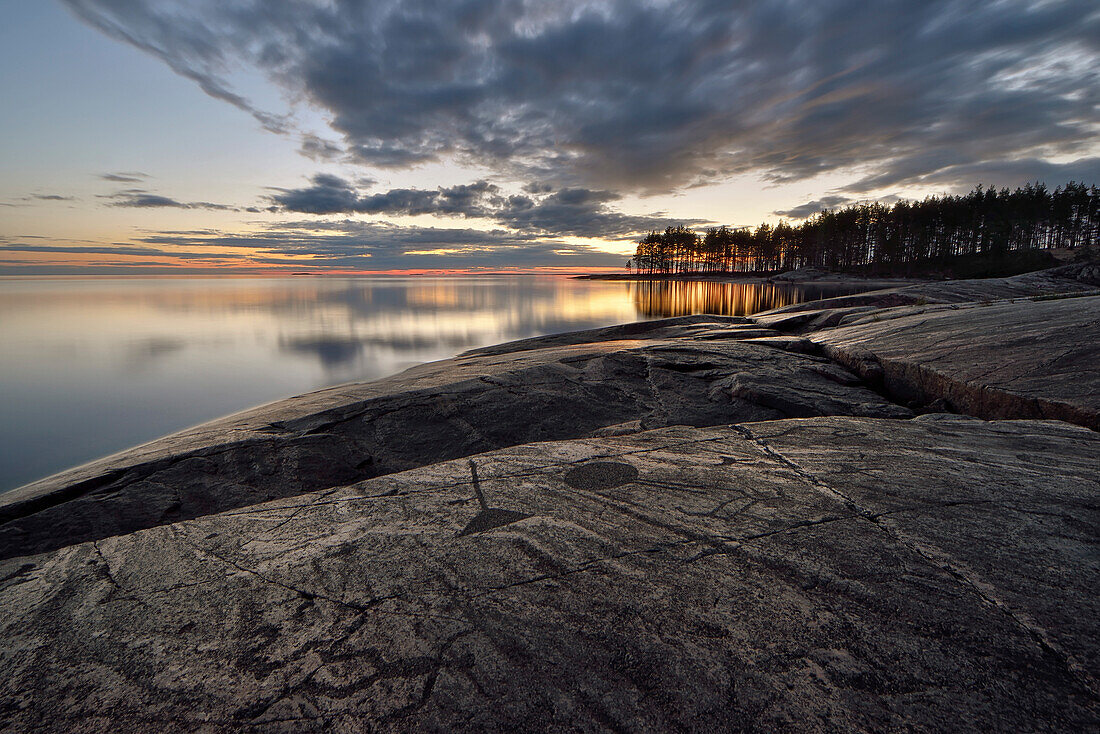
987	221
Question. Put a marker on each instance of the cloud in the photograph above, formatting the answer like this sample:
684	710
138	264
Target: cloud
124	176
652	96
813	207
32	198
572	211
579	212
351	244
1010	173
320	149
833	202
129	250
184	43
142	199
333	195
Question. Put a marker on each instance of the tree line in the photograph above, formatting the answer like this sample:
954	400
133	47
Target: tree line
985	222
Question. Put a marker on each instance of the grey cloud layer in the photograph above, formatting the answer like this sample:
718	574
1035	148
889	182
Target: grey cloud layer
129	250
572	211
384	246
655	95
333	195
339	244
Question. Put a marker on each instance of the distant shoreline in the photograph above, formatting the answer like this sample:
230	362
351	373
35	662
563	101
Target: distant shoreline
788	278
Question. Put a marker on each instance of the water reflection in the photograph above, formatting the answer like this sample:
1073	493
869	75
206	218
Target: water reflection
332	352
664	299
89	367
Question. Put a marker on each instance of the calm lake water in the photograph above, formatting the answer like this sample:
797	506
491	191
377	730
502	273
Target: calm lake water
90	367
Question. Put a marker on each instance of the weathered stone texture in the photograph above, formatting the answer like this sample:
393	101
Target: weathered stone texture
830	574
563	386
1010	359
745	530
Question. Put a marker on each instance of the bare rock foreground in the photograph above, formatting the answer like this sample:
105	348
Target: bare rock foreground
704	524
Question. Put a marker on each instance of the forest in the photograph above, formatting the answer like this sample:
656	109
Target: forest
987	224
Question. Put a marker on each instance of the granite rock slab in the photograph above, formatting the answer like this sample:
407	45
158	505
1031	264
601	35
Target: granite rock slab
820	574
690	371
1019	358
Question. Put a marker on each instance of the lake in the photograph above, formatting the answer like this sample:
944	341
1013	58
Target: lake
93	366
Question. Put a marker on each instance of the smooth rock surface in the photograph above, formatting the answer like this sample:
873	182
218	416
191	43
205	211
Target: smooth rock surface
810	315
1019	347
693	371
825	574
1009	359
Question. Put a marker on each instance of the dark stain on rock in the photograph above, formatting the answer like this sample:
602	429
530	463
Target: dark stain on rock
601	475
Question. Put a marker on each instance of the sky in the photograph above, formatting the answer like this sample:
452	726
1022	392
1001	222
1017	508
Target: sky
342	136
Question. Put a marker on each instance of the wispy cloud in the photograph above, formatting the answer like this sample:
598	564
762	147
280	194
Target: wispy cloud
316	245
52	197
129	250
124	176
30	199
142	199
354	244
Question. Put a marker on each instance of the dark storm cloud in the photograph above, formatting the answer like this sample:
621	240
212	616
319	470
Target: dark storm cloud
142	199
656	95
573	211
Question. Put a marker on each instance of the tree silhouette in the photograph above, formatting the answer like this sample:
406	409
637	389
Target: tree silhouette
986	222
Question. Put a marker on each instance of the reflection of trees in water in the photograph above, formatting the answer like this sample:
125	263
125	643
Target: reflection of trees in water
681	298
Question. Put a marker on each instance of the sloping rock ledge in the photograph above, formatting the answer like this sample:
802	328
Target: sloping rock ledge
705	523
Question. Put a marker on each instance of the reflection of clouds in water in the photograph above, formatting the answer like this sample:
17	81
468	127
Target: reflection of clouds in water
663	299
331	351
142	355
366	328
139	359
372	296
362	328
341	351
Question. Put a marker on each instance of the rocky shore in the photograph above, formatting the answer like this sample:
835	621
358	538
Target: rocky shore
875	512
